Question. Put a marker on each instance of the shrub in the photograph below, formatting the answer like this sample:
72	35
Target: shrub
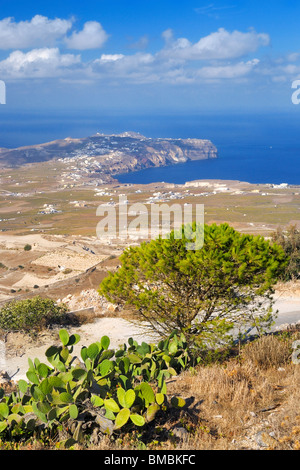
27	247
30	313
290	242
67	271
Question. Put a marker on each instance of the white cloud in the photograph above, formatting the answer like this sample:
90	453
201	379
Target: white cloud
213	57
148	68
123	64
293	57
141	43
92	36
167	35
218	56
231	71
134	68
218	45
38	63
39	31
281	68
109	58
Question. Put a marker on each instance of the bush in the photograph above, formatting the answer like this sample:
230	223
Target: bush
290	242
31	313
67	271
27	247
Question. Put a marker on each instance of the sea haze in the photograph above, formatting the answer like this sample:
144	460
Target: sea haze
253	148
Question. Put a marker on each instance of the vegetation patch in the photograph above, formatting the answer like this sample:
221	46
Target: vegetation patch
35	313
107	392
289	239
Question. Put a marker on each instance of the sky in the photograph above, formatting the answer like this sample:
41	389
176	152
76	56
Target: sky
150	56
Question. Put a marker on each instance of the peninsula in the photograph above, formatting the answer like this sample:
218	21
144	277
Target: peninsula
103	156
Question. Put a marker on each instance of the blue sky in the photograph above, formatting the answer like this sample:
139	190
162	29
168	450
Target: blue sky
148	55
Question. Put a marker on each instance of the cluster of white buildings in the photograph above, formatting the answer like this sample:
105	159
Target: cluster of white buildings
49	209
84	166
165	197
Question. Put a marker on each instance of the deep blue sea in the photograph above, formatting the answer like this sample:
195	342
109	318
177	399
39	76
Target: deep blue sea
258	148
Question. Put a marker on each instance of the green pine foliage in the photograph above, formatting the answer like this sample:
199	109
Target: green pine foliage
203	293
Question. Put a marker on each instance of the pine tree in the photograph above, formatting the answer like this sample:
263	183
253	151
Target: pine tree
226	284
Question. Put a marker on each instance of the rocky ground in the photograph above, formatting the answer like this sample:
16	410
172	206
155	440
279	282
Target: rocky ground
90	299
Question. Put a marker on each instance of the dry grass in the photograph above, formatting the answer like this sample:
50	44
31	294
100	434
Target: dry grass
246	399
290	288
269	351
236	406
250	401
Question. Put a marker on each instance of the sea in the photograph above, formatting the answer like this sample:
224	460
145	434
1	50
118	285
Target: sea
257	148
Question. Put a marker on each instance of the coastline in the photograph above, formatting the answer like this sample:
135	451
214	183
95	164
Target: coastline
205	170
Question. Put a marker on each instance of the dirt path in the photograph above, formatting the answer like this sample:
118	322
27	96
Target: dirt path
117	329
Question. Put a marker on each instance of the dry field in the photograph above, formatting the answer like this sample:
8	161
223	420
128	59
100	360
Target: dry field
26	192
55	266
59	221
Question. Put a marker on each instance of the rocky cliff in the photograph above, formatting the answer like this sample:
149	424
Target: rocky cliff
114	153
